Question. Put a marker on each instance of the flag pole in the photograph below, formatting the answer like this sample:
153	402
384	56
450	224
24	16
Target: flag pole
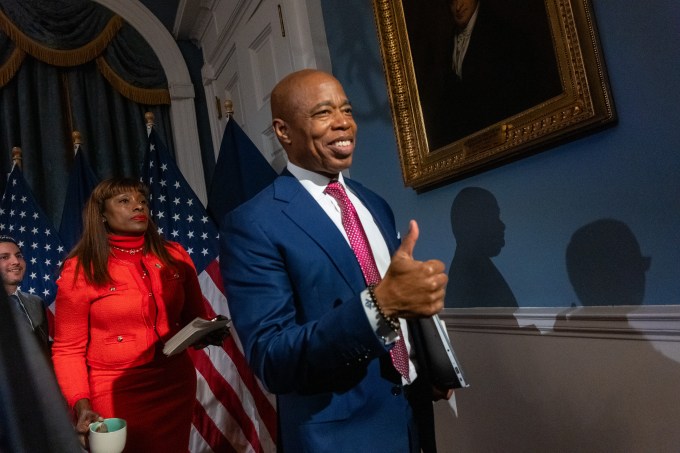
16	156
233	411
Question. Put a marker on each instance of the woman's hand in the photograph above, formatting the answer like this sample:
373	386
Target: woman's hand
85	416
214	338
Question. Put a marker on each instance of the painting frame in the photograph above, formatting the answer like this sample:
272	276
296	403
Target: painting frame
584	103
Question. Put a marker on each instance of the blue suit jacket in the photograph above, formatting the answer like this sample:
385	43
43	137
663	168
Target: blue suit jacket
293	285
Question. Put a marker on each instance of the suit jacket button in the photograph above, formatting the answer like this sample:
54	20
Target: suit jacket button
396	390
119	339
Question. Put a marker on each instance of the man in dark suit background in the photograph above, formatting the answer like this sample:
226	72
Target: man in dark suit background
316	329
33	415
29	308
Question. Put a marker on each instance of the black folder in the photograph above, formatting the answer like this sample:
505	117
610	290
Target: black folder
443	368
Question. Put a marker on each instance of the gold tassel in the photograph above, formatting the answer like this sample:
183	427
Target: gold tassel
58	57
9	69
146	96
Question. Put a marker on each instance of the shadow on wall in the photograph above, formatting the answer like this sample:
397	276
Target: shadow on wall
606	268
474	280
584	387
605	264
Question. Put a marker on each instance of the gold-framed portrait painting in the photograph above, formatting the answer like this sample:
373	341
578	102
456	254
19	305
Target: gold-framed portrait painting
473	84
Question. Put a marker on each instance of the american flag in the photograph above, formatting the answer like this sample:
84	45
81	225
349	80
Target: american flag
23	219
234	413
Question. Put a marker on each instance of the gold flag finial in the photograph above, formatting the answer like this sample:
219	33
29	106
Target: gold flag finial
149	118
229	107
77	141
77	138
16	155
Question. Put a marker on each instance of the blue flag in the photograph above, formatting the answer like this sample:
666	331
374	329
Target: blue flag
240	172
22	218
80	184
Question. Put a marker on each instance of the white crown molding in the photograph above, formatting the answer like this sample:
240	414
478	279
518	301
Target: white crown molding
646	322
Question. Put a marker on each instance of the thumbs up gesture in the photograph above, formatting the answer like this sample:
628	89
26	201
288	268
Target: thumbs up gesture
411	288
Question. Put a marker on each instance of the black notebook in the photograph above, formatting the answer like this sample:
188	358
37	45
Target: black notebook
192	332
443	367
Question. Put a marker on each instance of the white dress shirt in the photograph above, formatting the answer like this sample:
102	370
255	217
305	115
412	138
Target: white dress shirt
315	184
461	43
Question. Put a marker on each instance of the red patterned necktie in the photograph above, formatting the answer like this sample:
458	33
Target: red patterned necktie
362	249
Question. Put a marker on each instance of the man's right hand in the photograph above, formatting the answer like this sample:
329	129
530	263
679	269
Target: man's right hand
411	288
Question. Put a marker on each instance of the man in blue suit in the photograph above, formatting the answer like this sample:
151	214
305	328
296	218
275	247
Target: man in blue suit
313	329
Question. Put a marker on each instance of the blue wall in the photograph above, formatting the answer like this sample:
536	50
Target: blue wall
629	172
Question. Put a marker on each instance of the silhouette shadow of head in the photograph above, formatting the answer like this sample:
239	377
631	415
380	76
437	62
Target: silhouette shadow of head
605	264
476	222
474	281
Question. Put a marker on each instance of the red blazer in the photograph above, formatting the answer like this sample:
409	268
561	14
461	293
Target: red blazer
118	325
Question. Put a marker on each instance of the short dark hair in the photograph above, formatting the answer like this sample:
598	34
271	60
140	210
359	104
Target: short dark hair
4	238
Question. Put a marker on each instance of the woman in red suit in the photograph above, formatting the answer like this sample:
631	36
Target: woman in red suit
123	292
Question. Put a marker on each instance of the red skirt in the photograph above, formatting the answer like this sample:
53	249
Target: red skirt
156	400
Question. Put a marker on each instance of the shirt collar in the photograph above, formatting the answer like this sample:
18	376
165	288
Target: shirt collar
314	182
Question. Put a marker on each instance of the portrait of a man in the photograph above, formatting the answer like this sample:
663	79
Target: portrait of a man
478	62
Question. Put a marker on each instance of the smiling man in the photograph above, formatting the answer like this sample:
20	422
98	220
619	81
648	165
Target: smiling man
320	288
29	308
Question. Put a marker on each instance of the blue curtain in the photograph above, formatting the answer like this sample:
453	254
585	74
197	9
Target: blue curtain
70	65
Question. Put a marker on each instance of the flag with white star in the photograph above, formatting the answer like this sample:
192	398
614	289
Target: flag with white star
177	211
233	413
23	219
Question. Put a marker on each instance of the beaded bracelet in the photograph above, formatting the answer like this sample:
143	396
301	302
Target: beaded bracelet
391	320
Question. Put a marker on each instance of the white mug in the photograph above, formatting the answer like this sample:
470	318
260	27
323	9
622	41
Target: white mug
112	441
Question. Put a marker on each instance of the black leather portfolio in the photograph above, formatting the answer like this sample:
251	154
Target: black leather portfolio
443	367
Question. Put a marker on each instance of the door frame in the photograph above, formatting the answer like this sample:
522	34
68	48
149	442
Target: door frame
214	26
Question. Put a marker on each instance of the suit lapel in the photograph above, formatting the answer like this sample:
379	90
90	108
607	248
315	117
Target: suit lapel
306	213
309	217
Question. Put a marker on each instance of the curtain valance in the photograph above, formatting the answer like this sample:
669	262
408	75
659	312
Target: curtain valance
68	33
